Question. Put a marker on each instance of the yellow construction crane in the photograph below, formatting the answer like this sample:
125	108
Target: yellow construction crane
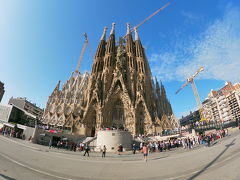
82	53
149	17
195	91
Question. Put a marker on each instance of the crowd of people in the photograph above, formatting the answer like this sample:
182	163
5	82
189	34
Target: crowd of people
10	132
151	146
72	146
184	142
118	128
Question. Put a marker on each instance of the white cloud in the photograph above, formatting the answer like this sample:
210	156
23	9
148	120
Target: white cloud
190	17
217	49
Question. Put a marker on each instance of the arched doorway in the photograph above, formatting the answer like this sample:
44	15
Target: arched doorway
116	115
91	123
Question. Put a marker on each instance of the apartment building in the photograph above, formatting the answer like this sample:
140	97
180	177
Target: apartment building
233	103
224	104
26	105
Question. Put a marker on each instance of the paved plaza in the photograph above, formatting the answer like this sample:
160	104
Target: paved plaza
22	160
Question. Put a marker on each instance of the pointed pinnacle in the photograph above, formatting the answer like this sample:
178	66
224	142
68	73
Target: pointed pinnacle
104	34
128	29
113	28
136	34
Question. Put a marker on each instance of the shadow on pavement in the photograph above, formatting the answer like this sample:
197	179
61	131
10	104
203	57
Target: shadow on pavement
6	177
213	161
214	143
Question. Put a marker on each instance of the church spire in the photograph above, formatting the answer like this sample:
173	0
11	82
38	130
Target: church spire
103	38
128	29
129	41
56	89
100	52
163	92
113	28
139	48
101	46
58	86
111	41
136	34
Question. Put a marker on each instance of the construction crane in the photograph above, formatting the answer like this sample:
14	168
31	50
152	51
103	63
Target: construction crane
195	91
82	53
86	38
135	27
149	17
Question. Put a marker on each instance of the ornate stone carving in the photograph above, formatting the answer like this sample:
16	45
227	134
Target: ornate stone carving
119	92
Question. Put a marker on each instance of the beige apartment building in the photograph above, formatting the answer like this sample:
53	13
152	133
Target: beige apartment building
224	104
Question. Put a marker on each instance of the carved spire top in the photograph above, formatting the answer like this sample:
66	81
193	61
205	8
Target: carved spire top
113	28
128	29
104	34
58	85
56	89
136	34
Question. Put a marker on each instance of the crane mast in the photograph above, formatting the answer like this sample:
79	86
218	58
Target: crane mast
153	14
82	53
149	17
137	26
195	91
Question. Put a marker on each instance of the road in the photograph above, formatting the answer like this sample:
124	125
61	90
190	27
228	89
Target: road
21	160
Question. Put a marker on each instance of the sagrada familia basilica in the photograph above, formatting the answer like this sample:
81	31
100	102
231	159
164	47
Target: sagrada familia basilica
120	92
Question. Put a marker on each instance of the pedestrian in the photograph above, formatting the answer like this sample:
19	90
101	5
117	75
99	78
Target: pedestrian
141	145
50	143
87	149
134	149
145	152
58	144
120	148
104	151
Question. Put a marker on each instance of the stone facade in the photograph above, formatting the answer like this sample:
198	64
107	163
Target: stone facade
119	92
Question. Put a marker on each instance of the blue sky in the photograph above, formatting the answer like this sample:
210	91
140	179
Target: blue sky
40	42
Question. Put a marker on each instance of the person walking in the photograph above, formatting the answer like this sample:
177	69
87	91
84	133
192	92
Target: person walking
58	144
104	150
120	149
145	152
134	149
50	143
87	149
